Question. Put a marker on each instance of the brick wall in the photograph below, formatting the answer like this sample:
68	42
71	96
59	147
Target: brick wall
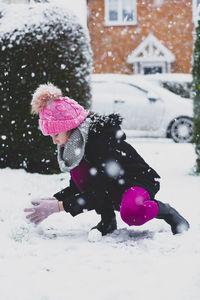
170	22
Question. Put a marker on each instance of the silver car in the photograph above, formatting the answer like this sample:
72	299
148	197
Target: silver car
147	109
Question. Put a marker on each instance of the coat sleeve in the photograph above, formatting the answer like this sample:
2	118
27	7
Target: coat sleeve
88	200
76	202
96	195
66	192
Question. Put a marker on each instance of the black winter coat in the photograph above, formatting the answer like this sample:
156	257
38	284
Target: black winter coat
118	167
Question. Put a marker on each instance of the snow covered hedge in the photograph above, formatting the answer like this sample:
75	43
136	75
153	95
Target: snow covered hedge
196	88
38	44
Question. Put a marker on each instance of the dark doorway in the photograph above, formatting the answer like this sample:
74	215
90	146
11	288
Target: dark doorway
152	70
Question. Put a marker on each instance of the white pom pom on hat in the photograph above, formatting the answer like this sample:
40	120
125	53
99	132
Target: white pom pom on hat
42	95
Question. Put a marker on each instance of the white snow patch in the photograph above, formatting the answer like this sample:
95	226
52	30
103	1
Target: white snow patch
25	15
56	261
94	235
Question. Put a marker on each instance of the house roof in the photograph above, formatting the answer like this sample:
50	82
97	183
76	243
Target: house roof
151	49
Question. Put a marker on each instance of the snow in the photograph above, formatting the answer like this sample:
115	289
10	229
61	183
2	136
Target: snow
94	235
113	169
78	7
56	261
158	2
148	79
177	77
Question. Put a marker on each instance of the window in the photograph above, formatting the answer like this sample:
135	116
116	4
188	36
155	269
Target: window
152	67
195	10
183	89
152	70
120	12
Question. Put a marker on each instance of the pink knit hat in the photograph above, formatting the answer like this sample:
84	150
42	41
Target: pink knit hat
56	113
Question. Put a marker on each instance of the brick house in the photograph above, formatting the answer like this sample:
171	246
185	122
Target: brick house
139	36
142	36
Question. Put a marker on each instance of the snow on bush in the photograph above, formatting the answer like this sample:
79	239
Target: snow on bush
39	43
196	89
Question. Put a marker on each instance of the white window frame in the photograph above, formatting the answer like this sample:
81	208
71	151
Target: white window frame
195	11
119	22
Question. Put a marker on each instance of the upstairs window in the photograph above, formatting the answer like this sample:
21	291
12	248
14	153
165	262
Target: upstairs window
120	12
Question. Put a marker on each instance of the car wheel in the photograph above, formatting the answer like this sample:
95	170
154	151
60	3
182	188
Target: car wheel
181	130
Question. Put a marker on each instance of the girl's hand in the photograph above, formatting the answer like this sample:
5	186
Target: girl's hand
42	209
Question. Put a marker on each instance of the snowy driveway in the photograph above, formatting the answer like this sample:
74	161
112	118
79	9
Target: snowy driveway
56	262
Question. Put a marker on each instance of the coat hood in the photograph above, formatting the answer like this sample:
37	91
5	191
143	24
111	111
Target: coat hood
108	124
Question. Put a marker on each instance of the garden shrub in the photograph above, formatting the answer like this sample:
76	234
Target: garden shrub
38	44
196	89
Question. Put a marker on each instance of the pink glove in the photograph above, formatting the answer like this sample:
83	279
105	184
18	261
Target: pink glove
43	208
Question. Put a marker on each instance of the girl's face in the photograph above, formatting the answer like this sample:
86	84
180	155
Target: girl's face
61	138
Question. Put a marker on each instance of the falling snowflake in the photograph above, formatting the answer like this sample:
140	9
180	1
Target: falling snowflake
93	171
119	134
81	201
113	169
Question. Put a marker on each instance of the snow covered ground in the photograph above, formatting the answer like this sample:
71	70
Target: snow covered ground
55	261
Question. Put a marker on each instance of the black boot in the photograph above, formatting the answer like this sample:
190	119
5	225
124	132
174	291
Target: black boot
106	225
172	217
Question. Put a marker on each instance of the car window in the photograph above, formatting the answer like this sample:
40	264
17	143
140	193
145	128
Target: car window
183	89
130	86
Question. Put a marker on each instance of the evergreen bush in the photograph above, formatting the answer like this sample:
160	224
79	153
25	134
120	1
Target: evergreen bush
196	89
38	44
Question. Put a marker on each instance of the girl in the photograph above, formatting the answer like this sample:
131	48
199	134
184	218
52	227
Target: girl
107	173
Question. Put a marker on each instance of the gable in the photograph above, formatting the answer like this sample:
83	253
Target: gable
151	49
